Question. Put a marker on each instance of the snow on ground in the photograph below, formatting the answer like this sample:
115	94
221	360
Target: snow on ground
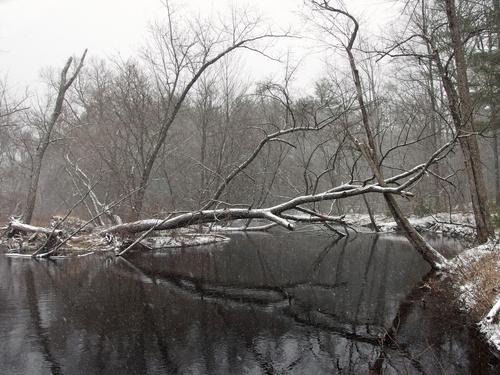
363	220
491	331
476	282
455	225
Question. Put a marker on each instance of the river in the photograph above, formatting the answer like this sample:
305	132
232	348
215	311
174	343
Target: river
282	303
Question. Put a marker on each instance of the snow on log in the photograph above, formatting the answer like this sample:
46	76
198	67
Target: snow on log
18	226
198	217
274	214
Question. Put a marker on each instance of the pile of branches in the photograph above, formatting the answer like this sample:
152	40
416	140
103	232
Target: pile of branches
62	237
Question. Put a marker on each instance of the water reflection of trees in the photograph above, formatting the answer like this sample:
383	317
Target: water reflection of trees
40	331
152	313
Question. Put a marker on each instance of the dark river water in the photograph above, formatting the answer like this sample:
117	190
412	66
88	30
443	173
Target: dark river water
301	303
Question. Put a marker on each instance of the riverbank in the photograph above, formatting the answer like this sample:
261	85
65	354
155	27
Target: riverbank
475	278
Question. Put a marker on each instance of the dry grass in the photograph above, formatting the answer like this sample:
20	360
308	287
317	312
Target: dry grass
482	277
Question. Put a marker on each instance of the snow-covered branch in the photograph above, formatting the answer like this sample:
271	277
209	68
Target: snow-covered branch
490	317
275	213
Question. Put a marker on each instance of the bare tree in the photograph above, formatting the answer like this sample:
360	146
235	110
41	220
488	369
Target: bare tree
464	125
369	148
294	119
10	178
45	135
445	49
177	59
278	213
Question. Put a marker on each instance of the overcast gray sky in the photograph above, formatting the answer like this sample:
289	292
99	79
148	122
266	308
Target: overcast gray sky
35	34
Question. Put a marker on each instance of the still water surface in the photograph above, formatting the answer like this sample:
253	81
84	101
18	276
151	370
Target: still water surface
300	303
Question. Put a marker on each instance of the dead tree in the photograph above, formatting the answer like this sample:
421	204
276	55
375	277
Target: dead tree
46	135
396	185
369	148
119	236
95	206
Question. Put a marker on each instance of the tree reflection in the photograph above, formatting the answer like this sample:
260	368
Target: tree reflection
290	304
40	331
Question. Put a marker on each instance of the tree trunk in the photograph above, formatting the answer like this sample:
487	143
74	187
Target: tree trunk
173	109
370	214
497	168
33	187
435	125
369	151
45	139
494	114
203	156
469	145
432	256
138	197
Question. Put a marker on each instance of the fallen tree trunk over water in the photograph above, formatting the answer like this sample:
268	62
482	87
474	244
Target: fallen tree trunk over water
123	237
275	214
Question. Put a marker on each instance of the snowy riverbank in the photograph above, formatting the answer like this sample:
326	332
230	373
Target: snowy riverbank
475	276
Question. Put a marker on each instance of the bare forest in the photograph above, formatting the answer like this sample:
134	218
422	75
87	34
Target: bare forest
180	145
